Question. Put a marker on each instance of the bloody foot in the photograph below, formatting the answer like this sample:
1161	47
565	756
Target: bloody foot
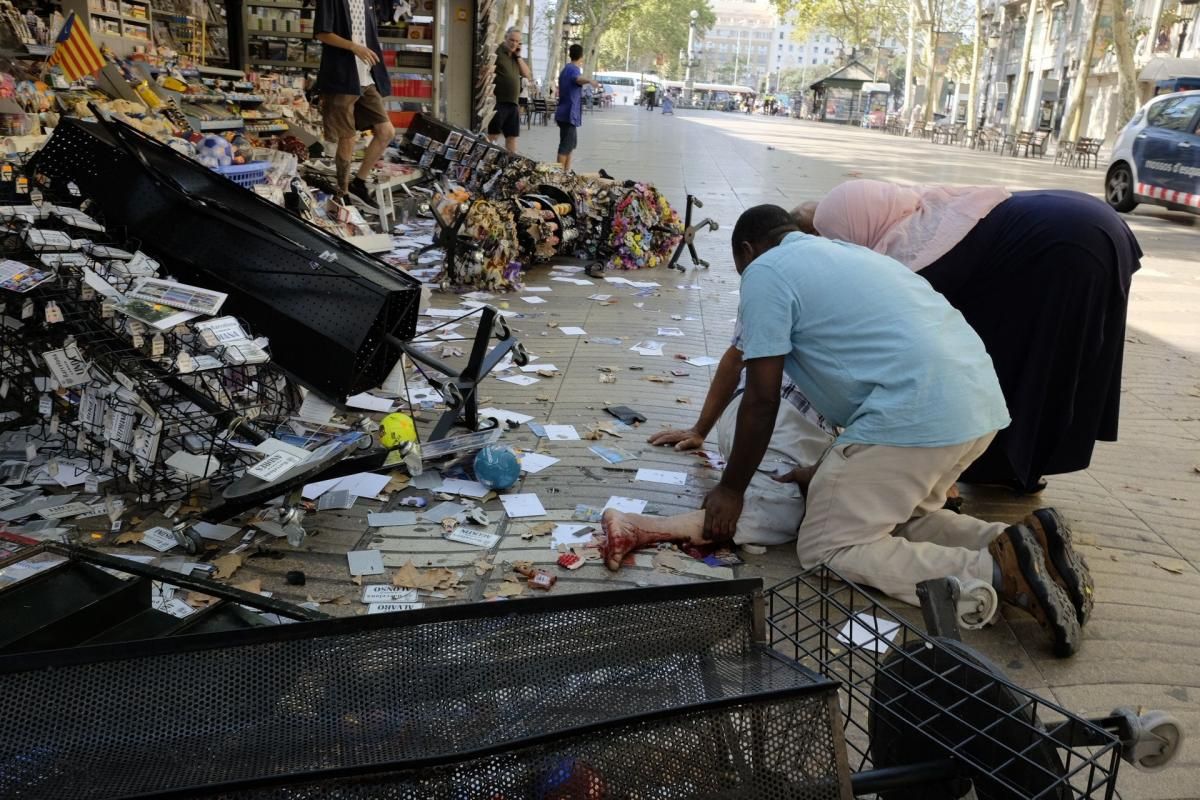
624	533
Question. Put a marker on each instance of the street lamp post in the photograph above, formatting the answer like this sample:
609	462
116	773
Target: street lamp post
687	73
1183	32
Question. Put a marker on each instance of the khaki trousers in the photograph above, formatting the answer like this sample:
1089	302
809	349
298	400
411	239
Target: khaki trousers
875	515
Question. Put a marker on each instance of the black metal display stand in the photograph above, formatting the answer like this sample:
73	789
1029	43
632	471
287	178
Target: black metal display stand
330	310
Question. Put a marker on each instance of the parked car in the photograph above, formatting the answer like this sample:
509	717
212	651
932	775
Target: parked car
1157	156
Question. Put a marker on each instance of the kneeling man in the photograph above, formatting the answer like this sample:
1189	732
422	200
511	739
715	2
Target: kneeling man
890	362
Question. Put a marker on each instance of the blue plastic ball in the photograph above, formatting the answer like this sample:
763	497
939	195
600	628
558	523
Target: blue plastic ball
496	467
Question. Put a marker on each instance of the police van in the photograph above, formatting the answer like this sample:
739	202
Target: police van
1157	157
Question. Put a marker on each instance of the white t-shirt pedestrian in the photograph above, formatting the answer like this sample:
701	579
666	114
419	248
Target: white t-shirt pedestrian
358	35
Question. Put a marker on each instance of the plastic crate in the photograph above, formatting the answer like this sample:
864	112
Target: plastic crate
247	175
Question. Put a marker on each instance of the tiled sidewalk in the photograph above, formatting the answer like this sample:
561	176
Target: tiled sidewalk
1136	509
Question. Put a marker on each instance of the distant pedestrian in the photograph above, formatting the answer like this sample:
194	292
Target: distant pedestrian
510	68
569	111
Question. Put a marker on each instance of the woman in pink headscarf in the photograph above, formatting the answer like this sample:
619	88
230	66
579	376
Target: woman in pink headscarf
1042	276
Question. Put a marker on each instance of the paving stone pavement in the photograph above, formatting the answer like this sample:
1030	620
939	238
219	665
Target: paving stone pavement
1136	509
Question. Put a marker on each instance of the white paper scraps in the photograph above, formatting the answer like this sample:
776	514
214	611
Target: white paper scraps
576	281
159	539
336	499
504	415
570	269
365	562
65	510
522	505
472	537
570	330
869	632
472	489
561	433
442	511
570	534
369	402
631	505
617	280
274	466
315	410
670	332
273	445
382	593
178	295
68	365
391	519
217	533
519	380
197	465
482	297
445	313
661	476
534	300
363	484
390	608
536	367
703	361
644	284
534	463
600	298
538	289
648	348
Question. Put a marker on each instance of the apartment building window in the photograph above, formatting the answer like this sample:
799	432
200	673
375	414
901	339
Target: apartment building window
1059	13
1076	16
791	48
781	36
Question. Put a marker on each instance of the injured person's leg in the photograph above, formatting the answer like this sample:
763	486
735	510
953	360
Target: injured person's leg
624	533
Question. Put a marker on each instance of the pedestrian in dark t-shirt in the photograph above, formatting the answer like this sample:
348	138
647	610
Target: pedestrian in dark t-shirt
352	82
510	68
569	111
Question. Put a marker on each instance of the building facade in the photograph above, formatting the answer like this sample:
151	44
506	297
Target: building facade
1060	34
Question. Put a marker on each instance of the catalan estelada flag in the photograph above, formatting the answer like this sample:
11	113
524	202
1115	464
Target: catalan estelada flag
74	50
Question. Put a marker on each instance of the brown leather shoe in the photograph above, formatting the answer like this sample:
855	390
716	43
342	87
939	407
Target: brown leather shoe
1026	583
1067	568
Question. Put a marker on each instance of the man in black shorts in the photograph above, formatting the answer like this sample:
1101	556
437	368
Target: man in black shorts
510	68
352	82
569	111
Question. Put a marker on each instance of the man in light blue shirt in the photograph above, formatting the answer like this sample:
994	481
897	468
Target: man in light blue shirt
887	359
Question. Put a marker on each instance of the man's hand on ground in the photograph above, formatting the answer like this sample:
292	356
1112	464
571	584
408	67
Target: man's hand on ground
722	508
682	439
366	54
800	475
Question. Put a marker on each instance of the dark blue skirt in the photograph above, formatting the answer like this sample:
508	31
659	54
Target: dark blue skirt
1044	280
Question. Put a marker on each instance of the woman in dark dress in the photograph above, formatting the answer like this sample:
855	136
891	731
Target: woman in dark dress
1043	277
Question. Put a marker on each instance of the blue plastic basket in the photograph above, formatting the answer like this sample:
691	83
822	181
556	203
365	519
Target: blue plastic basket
247	175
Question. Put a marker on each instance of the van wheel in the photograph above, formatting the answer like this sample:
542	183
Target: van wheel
1118	188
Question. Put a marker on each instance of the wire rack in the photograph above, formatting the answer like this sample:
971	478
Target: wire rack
909	698
654	693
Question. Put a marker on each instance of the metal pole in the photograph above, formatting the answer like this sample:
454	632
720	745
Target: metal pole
687	72
628	44
737	56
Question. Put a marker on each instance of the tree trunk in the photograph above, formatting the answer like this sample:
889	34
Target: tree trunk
1127	89
930	71
554	43
909	84
973	91
1074	112
1018	99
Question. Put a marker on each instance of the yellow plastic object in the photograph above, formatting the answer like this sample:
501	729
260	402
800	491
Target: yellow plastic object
148	96
395	429
174	84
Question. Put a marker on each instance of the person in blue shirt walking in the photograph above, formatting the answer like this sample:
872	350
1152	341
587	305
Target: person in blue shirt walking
569	111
